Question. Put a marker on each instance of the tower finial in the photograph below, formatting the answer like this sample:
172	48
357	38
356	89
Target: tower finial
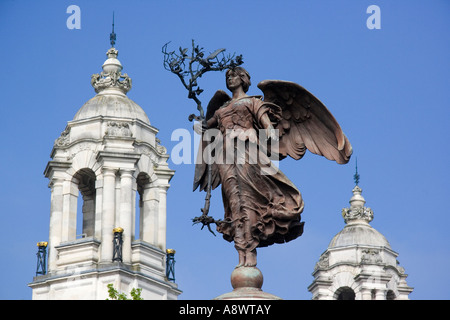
111	78
356	175
357	211
112	35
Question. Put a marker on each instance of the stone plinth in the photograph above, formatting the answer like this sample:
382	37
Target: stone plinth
247	283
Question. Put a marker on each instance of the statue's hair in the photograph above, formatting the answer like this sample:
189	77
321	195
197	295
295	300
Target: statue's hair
243	74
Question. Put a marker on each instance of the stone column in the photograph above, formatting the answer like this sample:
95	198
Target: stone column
108	213
149	214
162	219
69	217
366	294
126	212
380	295
98	207
55	232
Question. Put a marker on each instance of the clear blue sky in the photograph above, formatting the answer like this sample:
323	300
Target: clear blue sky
388	88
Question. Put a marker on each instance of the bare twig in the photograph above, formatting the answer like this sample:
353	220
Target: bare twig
189	68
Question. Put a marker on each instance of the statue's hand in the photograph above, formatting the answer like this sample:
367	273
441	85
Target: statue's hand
206	220
200	127
272	134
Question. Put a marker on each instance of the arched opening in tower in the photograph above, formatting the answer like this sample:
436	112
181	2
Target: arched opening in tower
85	179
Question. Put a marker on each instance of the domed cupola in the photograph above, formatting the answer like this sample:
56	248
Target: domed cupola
357	229
111	87
359	263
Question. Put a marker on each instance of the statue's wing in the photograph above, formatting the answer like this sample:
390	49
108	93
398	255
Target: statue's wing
305	123
201	172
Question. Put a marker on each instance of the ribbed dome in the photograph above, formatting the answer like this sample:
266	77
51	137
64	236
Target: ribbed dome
359	234
111	105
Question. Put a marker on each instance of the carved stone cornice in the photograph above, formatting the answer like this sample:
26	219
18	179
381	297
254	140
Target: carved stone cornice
63	139
357	214
118	129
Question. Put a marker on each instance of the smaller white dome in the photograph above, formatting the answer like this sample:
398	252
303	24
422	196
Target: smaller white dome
357	230
111	100
111	105
359	234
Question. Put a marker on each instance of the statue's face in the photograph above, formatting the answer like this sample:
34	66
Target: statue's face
233	80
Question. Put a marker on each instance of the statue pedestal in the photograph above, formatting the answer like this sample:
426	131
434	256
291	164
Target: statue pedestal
247	283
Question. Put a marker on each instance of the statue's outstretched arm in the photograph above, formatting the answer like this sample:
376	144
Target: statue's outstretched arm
211	123
267	124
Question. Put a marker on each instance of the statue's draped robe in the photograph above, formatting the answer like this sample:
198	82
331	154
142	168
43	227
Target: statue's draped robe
262	206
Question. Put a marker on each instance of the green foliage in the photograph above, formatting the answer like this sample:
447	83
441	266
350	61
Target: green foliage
136	294
115	295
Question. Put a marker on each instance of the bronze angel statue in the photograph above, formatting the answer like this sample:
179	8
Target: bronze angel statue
263	208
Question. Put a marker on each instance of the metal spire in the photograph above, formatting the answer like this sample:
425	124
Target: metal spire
112	35
356	175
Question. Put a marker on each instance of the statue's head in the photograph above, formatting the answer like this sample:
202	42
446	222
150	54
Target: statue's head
243	75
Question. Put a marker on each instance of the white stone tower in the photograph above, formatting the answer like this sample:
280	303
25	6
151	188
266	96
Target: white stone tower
359	262
108	167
